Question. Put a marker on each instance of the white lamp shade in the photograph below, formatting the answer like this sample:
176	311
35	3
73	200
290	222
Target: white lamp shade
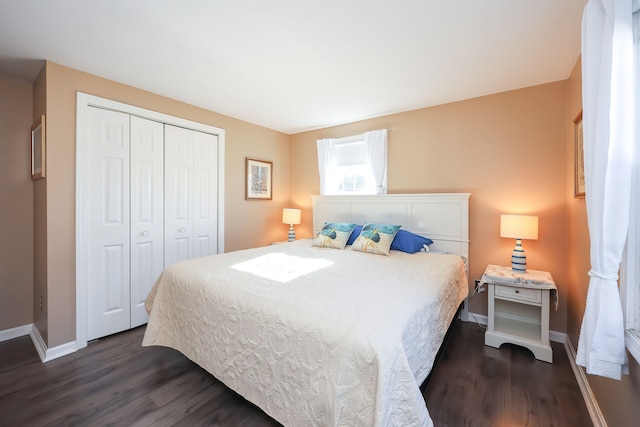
291	216
519	226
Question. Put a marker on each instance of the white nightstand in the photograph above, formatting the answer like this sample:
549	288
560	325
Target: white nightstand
519	309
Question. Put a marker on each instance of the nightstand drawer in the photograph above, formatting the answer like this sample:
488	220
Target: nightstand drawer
533	296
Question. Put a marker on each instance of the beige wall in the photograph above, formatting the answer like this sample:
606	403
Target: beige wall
507	150
16	199
40	222
618	400
247	223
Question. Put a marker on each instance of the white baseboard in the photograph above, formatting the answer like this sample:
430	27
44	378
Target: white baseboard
480	319
20	331
38	343
47	354
556	336
589	399
464	313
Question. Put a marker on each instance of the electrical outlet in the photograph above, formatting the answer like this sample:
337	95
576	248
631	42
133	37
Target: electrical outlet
41	303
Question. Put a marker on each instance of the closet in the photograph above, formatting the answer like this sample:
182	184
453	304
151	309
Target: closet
151	198
190	192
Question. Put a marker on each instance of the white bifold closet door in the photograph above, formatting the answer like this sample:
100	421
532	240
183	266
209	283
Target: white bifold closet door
191	194
125	219
147	212
152	201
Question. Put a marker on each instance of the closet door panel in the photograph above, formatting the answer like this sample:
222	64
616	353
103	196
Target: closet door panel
147	212
178	179
205	180
108	223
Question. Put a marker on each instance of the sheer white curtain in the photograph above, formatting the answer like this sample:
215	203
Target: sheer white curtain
326	149
376	142
608	76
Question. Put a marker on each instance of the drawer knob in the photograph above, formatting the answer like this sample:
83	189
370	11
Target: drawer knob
517	291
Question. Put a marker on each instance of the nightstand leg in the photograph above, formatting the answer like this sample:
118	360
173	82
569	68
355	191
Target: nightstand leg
491	322
544	333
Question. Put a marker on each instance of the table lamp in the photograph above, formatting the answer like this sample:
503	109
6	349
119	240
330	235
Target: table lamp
519	227
291	217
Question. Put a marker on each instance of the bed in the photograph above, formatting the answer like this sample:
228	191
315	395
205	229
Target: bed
321	336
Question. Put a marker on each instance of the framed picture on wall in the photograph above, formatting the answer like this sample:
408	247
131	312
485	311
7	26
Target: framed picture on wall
38	151
579	187
258	177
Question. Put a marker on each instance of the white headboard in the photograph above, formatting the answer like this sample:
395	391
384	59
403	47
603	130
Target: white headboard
442	217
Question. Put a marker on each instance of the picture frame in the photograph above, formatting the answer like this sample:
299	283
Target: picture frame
258	174
38	149
579	186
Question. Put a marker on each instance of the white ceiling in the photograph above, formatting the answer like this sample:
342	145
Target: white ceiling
295	65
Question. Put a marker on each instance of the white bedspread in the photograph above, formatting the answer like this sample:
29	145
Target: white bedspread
341	338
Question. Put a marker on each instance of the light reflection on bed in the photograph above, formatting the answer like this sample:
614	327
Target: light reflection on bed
281	267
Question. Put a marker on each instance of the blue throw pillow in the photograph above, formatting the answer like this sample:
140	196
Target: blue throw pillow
354	234
408	242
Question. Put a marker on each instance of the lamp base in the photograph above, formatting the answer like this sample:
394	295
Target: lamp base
518	258
292	234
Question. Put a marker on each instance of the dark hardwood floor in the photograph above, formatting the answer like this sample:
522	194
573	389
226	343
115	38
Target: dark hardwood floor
115	381
475	385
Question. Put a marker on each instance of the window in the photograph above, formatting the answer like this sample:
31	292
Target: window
356	179
630	267
353	165
630	290
351	172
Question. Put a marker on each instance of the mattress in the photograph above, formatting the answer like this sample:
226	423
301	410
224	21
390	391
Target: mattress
313	336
